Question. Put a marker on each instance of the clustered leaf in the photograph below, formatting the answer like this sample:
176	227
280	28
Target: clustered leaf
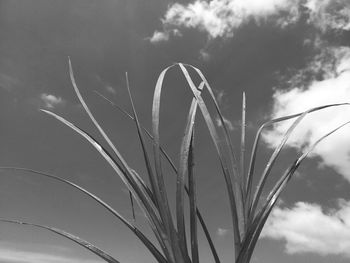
247	218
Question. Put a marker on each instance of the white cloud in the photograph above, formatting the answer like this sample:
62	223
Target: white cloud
222	232
8	82
335	88
16	256
50	100
219	18
110	89
204	55
306	228
227	122
329	14
163	36
107	86
159	37
220	96
221	100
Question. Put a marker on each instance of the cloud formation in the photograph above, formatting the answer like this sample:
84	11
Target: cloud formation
159	37
334	88
220	18
51	101
329	14
163	36
8	82
222	231
227	122
307	228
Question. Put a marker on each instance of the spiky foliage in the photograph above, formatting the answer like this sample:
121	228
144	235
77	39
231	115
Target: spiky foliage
247	217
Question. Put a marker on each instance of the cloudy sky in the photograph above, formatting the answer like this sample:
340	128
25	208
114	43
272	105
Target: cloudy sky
287	55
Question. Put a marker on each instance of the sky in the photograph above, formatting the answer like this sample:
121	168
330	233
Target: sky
286	55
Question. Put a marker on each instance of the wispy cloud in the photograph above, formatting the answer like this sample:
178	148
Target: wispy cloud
227	122
329	14
8	82
16	256
322	65
110	89
51	101
159	37
222	231
307	228
204	55
163	36
220	96
106	85
334	88
221	100
219	18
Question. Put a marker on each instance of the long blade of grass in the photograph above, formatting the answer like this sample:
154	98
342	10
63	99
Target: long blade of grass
218	147
83	243
167	157
92	118
271	162
163	205
151	176
129	180
276	152
132	206
269	123
263	214
134	229
199	214
183	169
193	202
238	180
228	138
115	106
144	185
280	185
242	171
243	123
208	237
258	136
124	164
254	228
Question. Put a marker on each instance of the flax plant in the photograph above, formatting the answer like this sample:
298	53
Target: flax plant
173	244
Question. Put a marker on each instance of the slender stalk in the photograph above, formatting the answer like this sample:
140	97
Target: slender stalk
277	151
242	172
193	202
150	173
260	220
161	190
180	182
243	137
83	243
132	206
224	167
183	169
